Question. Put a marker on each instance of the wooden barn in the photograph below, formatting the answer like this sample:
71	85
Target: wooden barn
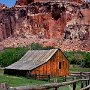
40	62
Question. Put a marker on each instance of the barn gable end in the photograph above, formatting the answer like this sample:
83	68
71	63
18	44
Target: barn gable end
56	66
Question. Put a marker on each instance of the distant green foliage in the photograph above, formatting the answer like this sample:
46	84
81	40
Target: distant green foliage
11	55
14	81
48	47
87	60
37	46
79	69
79	58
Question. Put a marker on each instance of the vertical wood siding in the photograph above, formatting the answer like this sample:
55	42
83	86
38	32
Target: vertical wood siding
52	66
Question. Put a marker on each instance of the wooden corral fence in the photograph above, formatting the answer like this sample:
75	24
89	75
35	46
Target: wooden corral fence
85	84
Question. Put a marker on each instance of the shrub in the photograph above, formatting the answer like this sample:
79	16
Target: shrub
48	47
11	55
87	60
79	58
36	46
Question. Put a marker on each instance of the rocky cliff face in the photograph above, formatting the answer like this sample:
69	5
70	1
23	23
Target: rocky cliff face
25	2
31	20
63	26
7	23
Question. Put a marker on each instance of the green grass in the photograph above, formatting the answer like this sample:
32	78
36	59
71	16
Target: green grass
14	81
64	88
80	70
18	81
1	71
77	68
11	55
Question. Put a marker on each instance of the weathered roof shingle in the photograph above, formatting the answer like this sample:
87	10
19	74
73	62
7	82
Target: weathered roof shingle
33	59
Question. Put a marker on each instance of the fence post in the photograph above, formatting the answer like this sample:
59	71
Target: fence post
35	76
82	85
74	84
64	79
49	78
56	88
4	86
88	80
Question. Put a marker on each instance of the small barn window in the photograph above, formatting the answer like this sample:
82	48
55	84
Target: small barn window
59	65
63	63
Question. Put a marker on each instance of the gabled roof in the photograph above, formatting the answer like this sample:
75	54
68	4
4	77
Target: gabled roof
33	59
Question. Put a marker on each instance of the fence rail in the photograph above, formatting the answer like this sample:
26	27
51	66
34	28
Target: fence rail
85	84
47	86
86	88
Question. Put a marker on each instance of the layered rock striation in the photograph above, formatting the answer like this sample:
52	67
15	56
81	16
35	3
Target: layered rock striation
65	26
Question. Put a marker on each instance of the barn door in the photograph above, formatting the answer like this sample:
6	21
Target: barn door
64	68
61	67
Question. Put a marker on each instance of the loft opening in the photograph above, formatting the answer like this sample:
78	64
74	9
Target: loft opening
59	65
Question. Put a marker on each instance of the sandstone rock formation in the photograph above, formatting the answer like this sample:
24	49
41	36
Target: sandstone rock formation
25	2
51	24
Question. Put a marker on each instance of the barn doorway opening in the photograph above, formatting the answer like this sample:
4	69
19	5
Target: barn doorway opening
29	1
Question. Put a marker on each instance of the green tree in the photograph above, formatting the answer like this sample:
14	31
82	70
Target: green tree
36	46
11	55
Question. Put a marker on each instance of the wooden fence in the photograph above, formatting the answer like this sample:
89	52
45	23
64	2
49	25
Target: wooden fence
85	84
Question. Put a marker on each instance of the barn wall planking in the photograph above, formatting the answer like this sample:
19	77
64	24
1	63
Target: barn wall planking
52	66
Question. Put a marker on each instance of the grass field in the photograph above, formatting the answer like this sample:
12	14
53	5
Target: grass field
76	68
18	81
80	70
14	81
